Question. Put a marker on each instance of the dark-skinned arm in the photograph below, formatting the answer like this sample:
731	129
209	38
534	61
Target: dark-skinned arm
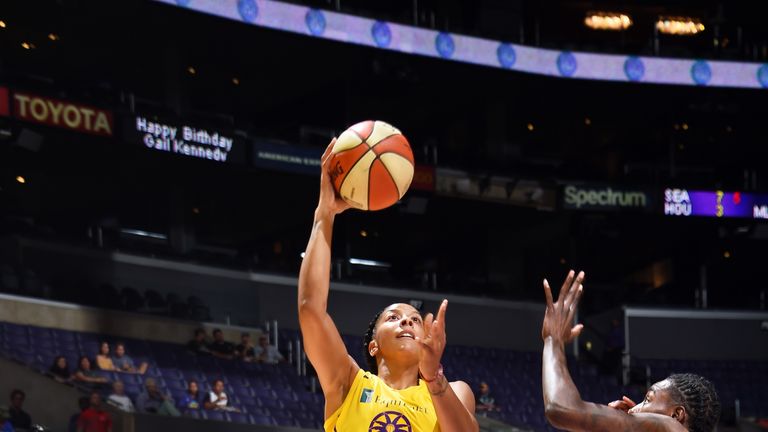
563	405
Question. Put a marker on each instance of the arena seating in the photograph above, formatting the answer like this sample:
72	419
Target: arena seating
277	395
745	381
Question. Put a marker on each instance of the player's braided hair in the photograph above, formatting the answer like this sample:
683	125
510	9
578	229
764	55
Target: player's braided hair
367	338
700	400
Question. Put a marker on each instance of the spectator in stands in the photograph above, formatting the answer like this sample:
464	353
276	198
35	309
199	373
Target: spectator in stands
84	402
119	399
152	400
60	370
94	419
19	418
266	353
85	375
217	399
245	350
103	359
193	399
124	363
198	345
485	401
221	348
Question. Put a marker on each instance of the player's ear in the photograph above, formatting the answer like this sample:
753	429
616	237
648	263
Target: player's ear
680	415
373	348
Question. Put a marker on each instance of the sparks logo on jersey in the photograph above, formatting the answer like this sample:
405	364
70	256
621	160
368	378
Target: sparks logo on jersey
390	421
366	396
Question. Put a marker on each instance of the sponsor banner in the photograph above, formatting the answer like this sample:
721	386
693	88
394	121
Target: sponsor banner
506	190
63	114
683	202
604	197
183	139
423	178
286	157
4	109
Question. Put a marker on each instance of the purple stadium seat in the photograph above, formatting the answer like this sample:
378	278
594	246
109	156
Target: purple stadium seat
177	395
238	417
133	389
255	410
243	391
175	384
214	415
262	420
193	413
271	403
171	373
263	393
276	395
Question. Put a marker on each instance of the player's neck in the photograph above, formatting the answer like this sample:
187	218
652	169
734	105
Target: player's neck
399	376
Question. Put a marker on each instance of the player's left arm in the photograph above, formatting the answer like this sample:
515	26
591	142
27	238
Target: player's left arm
454	401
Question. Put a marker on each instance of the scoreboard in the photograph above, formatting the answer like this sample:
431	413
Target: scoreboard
683	202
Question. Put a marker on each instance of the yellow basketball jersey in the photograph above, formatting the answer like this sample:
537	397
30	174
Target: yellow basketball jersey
373	406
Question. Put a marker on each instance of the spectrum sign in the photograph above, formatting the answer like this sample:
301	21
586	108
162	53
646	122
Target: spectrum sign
682	202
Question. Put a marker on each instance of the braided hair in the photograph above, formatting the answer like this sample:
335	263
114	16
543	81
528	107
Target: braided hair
699	398
367	338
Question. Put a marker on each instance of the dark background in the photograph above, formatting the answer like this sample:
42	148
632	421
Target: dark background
135	56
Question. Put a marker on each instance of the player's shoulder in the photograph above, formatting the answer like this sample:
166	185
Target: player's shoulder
459	384
461	388
652	422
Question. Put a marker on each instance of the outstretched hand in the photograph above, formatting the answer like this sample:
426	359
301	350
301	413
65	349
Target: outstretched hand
558	317
329	202
433	342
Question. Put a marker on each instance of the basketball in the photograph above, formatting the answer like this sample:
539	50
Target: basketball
371	165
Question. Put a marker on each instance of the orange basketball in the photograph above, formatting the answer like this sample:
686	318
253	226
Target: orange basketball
371	165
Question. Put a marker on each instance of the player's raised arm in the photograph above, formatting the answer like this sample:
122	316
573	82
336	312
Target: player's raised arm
322	342
563	405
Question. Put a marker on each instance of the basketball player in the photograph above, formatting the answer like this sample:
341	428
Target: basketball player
405	390
683	402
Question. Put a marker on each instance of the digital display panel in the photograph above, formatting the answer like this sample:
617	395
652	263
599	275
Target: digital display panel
683	202
183	139
407	39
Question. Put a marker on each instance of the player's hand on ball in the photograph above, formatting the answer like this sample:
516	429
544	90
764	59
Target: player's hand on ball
623	404
433	342
558	318
330	202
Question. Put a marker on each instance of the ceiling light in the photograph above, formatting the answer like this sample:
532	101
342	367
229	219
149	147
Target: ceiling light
2	24
191	70
21	179
27	45
679	25
53	36
607	21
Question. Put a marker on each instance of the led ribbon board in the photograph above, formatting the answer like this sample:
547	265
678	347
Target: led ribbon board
682	202
183	139
413	40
